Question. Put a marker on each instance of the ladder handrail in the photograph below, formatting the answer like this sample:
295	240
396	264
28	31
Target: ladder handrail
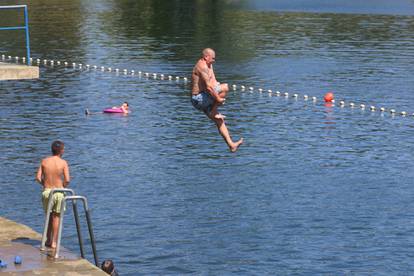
74	198
25	27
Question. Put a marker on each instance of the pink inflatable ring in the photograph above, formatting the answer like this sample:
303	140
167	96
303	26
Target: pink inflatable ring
113	110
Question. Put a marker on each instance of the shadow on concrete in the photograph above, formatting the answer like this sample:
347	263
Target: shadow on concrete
28	241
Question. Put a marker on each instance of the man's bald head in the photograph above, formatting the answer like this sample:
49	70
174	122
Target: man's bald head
209	56
208	52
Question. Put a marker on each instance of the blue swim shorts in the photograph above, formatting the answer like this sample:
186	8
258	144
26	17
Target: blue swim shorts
203	101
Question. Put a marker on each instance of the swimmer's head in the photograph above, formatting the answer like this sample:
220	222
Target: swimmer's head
58	147
109	267
125	105
209	55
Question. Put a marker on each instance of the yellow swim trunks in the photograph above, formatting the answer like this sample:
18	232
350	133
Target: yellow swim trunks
57	200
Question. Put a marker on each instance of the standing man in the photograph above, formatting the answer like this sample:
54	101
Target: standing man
53	173
207	94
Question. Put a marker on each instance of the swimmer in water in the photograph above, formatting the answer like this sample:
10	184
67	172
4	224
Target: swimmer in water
207	94
124	107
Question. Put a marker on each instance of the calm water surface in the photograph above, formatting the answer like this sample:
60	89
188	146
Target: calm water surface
314	190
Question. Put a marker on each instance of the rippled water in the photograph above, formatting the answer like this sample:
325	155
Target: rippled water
315	190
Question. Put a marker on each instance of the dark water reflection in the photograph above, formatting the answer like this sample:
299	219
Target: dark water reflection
314	190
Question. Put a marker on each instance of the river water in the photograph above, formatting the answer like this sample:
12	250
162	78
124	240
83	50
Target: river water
314	190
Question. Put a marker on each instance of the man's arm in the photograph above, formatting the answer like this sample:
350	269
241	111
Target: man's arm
213	76
209	84
66	175
39	174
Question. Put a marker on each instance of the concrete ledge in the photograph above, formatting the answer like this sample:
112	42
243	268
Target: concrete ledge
18	72
20	240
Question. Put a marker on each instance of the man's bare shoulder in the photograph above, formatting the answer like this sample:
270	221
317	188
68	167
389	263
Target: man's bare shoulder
53	159
65	162
200	66
62	161
46	160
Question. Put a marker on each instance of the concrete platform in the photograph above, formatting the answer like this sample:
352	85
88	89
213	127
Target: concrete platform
20	240
9	71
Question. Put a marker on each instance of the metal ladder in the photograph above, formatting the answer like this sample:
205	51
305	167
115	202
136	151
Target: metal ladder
69	195
25	27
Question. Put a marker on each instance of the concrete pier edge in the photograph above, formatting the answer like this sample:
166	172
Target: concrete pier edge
20	240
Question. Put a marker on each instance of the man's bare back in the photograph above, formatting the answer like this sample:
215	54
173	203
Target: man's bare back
53	172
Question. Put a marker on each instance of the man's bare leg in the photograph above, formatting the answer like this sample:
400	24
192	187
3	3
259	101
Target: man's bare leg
214	112
222	128
224	89
49	232
55	222
223	93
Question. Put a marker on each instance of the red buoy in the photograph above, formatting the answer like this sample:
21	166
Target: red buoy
328	97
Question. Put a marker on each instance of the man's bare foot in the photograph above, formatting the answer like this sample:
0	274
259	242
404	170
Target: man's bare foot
219	116
236	145
53	245
48	247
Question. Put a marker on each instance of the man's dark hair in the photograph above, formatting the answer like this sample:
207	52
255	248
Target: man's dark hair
57	147
109	267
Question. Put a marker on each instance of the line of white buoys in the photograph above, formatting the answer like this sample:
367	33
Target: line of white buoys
157	76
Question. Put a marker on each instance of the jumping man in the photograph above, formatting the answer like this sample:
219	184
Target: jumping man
207	94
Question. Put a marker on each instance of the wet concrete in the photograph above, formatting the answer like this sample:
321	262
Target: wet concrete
20	240
10	71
